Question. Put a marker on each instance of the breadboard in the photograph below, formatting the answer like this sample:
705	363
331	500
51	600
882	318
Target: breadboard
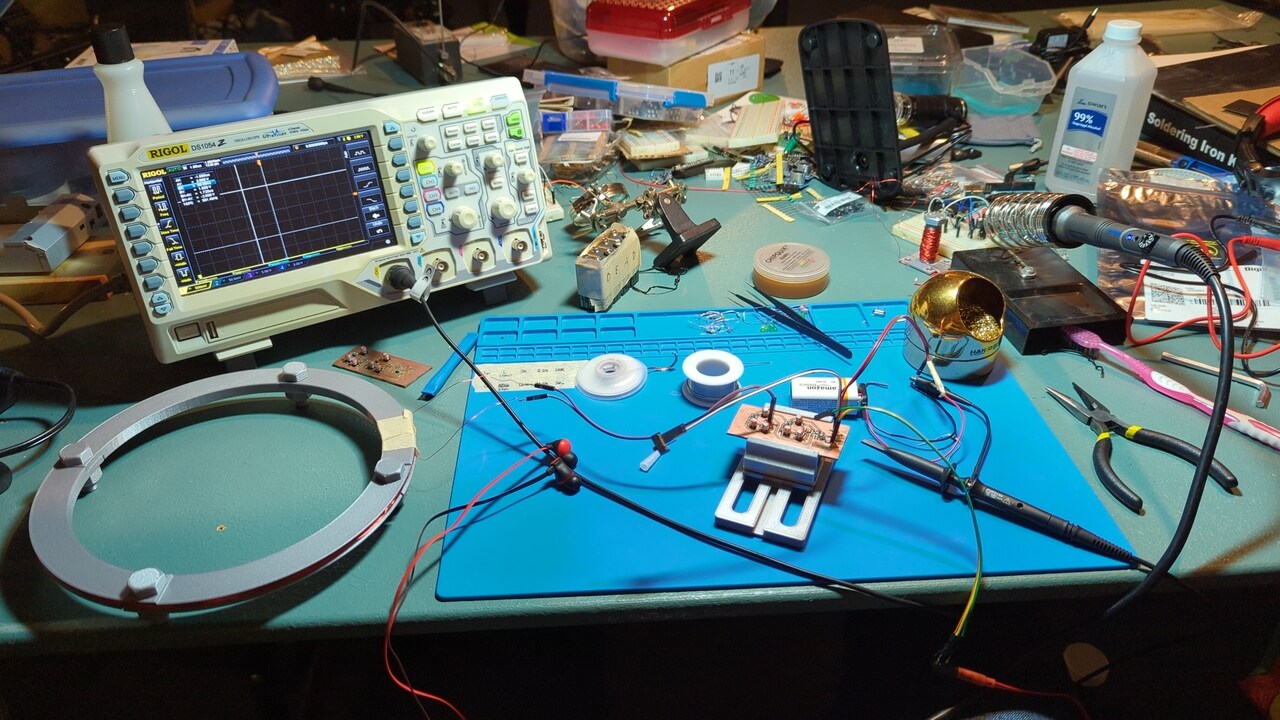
757	124
953	240
874	522
649	144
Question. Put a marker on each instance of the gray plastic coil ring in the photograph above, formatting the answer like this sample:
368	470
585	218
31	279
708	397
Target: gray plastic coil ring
151	591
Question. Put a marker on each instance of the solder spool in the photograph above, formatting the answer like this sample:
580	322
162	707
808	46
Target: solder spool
612	376
791	270
710	375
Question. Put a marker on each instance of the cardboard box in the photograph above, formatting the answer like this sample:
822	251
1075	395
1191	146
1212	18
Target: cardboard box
724	71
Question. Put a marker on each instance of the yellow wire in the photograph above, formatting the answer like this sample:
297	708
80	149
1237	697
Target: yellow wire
963	621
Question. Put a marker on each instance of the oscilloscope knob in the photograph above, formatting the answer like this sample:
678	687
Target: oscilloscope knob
526	177
493	161
427	143
466	218
504	208
454	168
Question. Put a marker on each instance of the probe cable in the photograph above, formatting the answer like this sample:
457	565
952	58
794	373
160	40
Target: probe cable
554	455
1208	448
11	378
401	594
735	549
963	622
942	659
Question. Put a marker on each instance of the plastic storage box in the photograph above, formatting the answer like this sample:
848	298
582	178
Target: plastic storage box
659	32
49	119
1003	81
922	58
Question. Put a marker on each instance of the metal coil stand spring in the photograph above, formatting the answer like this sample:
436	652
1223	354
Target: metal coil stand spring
1020	219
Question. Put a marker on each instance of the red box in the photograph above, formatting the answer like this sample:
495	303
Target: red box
660	32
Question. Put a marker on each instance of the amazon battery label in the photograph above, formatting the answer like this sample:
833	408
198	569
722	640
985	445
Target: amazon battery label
1082	139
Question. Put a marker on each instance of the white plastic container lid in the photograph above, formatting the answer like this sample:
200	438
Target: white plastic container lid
791	270
1123	31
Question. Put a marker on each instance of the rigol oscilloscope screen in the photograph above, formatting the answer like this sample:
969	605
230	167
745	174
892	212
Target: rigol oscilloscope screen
239	217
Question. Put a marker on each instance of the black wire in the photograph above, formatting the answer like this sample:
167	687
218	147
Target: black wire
405	675
713	541
485	379
1135	268
909	439
563	397
906	438
1246	346
986	420
664	288
1207	449
49	432
485	501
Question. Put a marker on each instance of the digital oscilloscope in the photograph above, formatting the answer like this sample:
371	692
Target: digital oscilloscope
239	232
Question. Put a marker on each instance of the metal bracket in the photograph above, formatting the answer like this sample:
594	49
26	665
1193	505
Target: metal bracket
776	477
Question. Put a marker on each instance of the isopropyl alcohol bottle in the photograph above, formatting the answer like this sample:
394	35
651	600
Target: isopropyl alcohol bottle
1102	111
131	111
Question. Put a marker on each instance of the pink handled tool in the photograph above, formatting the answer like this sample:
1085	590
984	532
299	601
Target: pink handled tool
1166	385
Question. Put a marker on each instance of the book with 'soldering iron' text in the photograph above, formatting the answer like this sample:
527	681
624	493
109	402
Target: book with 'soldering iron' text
1183	117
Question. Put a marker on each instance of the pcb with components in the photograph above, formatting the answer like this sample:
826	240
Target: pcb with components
609	265
381	366
788	428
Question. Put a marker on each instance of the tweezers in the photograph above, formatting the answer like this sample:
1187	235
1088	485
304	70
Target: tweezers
785	315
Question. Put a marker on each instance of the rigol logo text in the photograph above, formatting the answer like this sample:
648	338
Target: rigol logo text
168	151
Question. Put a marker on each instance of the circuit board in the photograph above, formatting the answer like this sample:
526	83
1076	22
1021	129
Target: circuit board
381	366
788	429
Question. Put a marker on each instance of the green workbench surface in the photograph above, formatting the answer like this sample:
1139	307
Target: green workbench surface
228	486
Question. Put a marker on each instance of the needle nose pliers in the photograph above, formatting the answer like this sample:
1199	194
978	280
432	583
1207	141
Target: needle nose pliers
1097	416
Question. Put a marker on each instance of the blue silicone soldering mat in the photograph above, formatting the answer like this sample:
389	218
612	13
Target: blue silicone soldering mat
875	523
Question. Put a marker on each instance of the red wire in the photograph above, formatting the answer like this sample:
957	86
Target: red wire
1248	299
876	347
1137	289
402	589
977	678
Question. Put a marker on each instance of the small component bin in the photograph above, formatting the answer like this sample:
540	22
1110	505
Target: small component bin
923	59
660	32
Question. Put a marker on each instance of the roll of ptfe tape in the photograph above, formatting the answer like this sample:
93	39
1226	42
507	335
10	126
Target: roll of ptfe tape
612	376
709	376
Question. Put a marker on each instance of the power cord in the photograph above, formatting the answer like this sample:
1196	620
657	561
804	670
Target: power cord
9	382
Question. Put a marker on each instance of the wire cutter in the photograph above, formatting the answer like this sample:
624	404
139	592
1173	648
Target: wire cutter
1097	416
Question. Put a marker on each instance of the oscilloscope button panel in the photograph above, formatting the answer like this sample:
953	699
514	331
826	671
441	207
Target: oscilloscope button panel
448	178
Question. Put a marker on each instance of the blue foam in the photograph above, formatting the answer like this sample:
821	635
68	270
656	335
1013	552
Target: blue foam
875	523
